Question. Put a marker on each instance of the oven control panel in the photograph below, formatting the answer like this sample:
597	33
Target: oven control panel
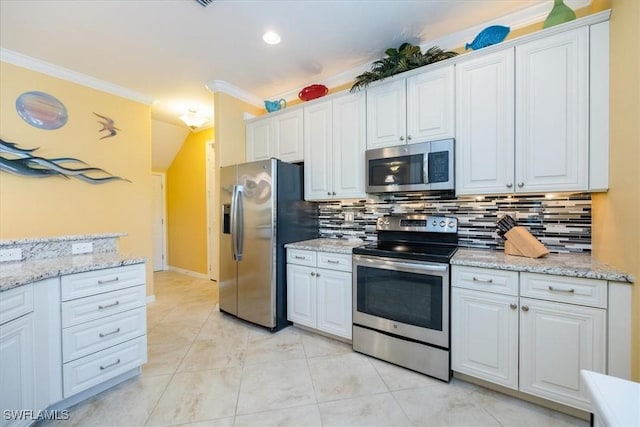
416	222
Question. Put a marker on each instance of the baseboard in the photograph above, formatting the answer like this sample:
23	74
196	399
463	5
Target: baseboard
151	298
188	272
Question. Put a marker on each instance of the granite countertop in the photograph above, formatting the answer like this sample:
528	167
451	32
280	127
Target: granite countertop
8	242
338	246
573	265
16	274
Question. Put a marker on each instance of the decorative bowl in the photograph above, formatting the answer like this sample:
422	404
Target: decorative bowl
313	92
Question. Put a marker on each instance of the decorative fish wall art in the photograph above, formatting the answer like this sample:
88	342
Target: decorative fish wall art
108	125
489	36
22	162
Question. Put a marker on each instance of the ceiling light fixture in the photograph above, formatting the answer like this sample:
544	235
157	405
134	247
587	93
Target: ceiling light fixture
271	37
193	119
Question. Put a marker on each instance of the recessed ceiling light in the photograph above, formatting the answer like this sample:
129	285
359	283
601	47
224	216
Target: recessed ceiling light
271	37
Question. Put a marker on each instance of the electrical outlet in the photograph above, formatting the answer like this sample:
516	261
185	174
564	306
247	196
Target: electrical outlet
348	217
10	255
81	248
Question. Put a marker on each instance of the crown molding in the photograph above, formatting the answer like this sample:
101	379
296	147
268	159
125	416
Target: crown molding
53	70
241	94
519	19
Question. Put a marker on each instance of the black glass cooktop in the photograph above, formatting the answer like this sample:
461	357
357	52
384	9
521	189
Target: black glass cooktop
406	250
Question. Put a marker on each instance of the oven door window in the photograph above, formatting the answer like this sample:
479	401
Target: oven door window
404	297
402	170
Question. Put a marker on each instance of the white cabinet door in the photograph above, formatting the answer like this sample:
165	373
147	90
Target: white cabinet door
485	124
17	368
334	302
484	336
430	105
556	341
288	136
386	114
318	141
552	113
260	140
349	145
301	295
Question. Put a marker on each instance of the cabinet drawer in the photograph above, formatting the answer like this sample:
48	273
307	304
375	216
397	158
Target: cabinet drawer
333	261
86	338
99	367
16	302
96	282
574	290
301	257
97	306
485	279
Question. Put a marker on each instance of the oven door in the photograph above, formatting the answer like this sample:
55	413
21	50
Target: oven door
402	297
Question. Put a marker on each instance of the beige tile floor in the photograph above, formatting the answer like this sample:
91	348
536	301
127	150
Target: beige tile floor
208	369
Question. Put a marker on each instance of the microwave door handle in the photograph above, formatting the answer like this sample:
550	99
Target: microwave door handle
425	168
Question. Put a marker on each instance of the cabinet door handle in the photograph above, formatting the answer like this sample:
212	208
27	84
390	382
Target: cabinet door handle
104	282
299	257
102	307
102	368
313	274
569	291
328	193
513	306
334	193
402	138
520	184
330	261
317	274
525	308
509	185
109	333
475	279
408	137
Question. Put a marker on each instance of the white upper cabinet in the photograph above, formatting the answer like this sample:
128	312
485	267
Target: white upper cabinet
552	113
278	136
387	114
430	105
485	124
334	146
416	109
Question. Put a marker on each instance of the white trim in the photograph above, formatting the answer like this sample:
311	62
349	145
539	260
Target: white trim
241	94
151	298
522	18
165	223
187	272
210	153
53	70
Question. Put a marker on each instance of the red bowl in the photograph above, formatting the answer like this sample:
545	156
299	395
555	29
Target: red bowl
313	92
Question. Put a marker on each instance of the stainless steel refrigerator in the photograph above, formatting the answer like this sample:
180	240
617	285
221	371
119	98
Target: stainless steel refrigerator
263	208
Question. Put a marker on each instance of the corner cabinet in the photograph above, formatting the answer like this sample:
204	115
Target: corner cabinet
279	136
319	291
334	146
414	109
527	119
529	332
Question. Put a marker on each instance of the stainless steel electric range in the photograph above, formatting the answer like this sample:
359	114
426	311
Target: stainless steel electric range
401	289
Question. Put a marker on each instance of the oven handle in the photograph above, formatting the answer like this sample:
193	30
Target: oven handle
390	263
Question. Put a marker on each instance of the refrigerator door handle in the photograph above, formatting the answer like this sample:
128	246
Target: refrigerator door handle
239	231
234	221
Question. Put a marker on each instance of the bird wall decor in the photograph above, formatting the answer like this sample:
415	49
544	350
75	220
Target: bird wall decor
107	125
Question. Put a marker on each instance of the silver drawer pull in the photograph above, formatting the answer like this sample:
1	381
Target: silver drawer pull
102	368
102	307
475	279
299	257
104	282
330	261
569	291
109	333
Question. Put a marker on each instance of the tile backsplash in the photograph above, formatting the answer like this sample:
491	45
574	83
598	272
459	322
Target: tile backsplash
560	222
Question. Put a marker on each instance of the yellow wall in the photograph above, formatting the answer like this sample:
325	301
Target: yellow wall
44	207
187	204
616	214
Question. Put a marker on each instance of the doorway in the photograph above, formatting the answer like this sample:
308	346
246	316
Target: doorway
159	222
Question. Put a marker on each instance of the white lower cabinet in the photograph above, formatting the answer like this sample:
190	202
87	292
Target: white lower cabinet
535	345
319	296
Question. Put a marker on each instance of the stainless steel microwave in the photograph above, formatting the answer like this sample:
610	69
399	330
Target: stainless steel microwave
425	166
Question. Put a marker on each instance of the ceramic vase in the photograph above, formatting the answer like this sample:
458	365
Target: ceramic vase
559	14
